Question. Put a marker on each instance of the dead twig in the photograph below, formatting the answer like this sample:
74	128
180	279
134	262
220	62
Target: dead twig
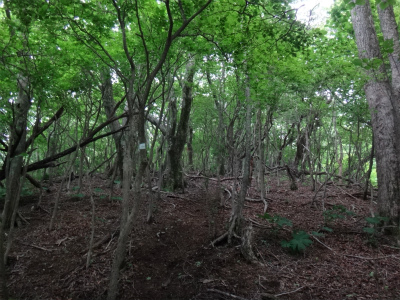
291	292
258	224
59	242
327	247
371	258
178	197
226	294
219	239
37	247
102	241
22	218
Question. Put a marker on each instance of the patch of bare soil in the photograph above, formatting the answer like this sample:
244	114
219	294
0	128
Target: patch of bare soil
172	258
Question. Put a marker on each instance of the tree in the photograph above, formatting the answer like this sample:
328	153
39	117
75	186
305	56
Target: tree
178	132
383	99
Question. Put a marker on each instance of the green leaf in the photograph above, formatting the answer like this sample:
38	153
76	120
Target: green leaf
357	62
373	220
327	229
281	221
360	2
384	5
376	220
266	216
80	195
376	63
369	230
117	198
315	233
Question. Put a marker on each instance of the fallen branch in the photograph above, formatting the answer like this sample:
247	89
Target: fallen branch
327	247
219	239
22	218
178	197
226	294
105	239
258	224
291	292
371	258
34	246
256	200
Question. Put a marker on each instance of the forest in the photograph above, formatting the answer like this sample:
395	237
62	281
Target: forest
207	149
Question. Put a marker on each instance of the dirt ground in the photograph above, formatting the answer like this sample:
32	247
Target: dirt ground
172	258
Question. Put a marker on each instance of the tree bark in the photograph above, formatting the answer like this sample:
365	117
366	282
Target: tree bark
109	108
17	146
384	115
237	208
177	139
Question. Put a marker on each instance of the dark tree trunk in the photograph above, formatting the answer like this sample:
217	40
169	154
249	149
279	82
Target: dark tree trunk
17	147
190	149
177	139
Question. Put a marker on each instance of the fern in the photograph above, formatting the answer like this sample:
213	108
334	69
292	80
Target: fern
299	242
277	219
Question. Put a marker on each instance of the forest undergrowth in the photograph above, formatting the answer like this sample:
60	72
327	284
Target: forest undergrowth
326	250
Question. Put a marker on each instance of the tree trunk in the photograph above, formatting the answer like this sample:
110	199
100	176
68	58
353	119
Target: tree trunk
237	208
383	115
109	105
17	147
177	139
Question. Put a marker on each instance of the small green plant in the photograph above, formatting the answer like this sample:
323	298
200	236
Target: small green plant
299	242
372	230
148	278
337	212
79	195
277	220
2	193
198	263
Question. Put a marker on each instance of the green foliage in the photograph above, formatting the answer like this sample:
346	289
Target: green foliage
299	242
300	239
277	220
2	193
375	222
80	195
337	212
369	64
372	230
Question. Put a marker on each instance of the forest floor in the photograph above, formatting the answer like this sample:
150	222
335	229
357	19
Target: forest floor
172	258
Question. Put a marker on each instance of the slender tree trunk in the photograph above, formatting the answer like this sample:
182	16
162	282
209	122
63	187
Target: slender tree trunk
368	176
109	104
237	208
17	146
178	139
190	149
